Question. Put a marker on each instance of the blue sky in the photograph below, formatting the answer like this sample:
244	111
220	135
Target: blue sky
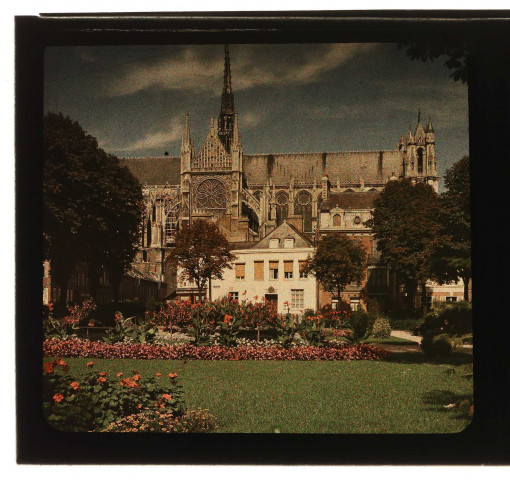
289	97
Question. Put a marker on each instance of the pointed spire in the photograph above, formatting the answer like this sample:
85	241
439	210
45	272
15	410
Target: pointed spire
211	130
430	128
419	116
227	77
186	138
227	111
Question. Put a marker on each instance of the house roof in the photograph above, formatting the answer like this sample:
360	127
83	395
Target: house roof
347	200
155	170
285	230
135	273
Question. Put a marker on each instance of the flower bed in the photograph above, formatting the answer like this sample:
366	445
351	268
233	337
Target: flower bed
87	349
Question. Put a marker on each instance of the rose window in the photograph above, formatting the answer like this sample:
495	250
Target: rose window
211	194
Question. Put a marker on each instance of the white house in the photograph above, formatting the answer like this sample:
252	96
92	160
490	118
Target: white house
272	270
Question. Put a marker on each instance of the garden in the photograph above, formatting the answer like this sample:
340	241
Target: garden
228	366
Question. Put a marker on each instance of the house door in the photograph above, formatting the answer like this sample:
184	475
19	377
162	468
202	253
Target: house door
272	299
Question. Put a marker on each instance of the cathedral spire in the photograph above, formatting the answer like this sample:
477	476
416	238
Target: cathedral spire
236	142
430	128
186	138
227	111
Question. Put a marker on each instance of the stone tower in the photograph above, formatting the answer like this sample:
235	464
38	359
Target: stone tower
418	150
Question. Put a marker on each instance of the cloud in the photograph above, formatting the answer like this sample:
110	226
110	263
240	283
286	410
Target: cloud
250	119
199	69
161	138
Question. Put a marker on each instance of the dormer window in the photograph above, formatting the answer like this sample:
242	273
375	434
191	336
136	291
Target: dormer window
274	243
288	243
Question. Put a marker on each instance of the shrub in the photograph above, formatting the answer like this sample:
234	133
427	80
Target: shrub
84	349
408	324
360	324
92	402
312	330
381	328
131	330
285	328
192	421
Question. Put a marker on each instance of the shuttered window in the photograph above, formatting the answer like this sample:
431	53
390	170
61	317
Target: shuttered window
302	273
239	271
273	270
288	268
258	268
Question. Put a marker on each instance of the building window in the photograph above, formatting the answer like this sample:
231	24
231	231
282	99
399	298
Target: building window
302	266
303	207
239	271
233	296
274	243
377	277
144	255
337	220
258	270
297	299
354	305
282	207
451	299
273	270
288	268
288	243
170	224
420	160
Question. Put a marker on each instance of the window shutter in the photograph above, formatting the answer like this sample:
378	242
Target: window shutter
273	265
288	266
302	265
259	270
239	270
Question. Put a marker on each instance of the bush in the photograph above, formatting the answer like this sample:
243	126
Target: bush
312	330
92	402
128	329
381	328
192	421
360	324
84	349
105	313
66	327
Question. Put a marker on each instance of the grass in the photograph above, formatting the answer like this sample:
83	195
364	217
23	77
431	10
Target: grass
396	396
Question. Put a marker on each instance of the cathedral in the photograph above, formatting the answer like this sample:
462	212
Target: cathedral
251	195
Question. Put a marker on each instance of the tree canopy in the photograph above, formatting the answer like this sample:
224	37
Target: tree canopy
338	261
202	252
405	223
91	205
452	256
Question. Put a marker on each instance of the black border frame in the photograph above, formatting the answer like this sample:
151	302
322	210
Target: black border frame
485	441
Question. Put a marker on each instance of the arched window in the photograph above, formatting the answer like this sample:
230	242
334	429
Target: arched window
211	194
337	220
303	207
282	207
154	213
149	232
420	160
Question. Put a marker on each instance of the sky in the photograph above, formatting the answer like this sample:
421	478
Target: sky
289	97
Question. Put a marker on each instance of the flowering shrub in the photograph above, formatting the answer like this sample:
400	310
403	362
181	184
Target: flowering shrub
312	330
192	421
92	402
381	328
66	327
87	349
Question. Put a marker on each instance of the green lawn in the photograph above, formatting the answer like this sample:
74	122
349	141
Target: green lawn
405	395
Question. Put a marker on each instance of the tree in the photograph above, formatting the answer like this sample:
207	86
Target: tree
337	262
92	206
202	252
452	255
405	224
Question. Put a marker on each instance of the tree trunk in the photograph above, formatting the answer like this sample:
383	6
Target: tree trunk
210	289
63	292
410	289
424	308
466	288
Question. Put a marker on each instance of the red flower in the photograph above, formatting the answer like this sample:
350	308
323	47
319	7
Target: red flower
137	377
103	374
166	396
58	397
172	376
60	363
90	364
75	385
48	367
101	380
158	374
119	374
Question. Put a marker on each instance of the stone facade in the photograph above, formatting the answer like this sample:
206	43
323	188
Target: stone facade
249	196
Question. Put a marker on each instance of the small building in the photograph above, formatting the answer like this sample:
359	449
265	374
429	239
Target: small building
272	270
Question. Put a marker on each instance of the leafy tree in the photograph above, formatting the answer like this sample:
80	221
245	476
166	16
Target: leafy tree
202	252
453	252
337	262
92	206
405	224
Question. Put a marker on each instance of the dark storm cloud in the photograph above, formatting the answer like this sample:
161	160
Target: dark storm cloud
320	97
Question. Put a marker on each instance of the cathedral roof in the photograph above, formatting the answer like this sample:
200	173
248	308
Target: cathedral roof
155	170
347	200
348	167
